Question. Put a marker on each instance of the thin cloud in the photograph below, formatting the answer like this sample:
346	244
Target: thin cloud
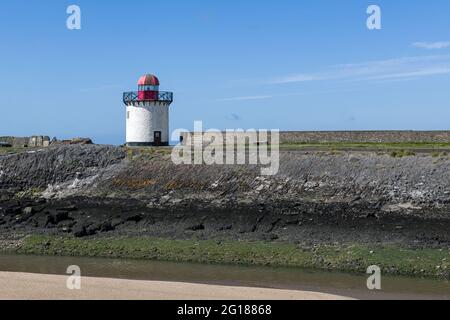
432	45
415	74
392	80
273	96
298	78
399	67
101	88
247	98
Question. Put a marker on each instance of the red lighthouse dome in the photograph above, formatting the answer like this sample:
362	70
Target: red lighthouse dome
148	87
148	80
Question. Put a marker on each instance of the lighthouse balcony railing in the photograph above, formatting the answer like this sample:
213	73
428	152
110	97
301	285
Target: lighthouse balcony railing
129	97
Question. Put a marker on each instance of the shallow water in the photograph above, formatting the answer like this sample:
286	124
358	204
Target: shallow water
280	278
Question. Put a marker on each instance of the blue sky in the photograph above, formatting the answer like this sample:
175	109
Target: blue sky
289	65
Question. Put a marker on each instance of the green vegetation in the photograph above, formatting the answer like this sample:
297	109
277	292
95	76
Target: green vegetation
14	150
402	153
10	150
431	263
30	193
439	154
148	153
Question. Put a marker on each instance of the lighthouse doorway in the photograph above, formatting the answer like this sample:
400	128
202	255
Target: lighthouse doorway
157	138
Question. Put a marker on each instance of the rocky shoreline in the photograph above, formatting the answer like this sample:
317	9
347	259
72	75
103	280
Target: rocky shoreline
317	198
306	223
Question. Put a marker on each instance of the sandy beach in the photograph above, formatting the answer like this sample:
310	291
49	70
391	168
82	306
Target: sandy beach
26	286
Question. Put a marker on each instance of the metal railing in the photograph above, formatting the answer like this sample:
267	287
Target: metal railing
129	97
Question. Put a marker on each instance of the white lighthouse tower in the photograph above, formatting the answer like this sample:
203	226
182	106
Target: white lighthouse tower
148	114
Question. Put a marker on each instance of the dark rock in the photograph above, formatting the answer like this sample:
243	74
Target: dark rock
85	228
39	208
24	217
116	222
106	226
291	222
248	228
196	227
270	237
80	231
5	196
11	208
67	208
93	228
57	216
135	218
67	224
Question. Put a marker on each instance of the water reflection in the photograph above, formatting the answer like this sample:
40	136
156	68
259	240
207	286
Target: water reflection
280	278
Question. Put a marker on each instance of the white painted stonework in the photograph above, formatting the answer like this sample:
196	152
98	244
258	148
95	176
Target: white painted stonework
144	119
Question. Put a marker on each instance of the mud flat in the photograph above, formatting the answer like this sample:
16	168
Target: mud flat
324	209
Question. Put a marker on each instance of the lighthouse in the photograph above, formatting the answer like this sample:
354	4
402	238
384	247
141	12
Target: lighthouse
147	113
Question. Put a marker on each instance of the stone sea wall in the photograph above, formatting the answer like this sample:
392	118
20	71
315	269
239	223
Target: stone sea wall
292	137
365	136
27	142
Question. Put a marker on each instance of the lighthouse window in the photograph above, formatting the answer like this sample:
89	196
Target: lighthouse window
148	88
128	114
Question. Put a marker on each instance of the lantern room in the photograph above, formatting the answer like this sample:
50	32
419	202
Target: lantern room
148	88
